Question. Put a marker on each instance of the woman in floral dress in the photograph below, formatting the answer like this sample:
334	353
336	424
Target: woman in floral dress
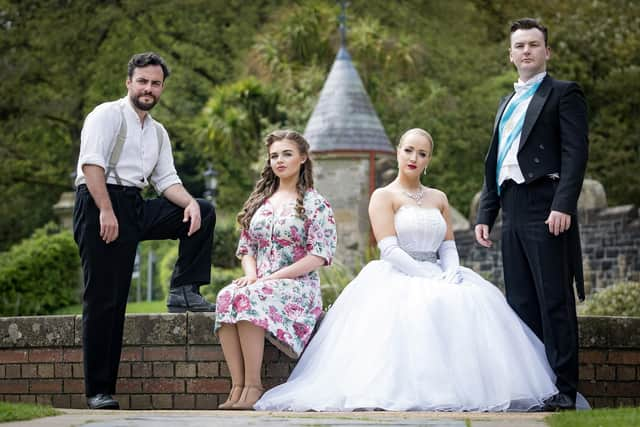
288	231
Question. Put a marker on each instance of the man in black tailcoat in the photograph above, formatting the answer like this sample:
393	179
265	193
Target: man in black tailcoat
534	172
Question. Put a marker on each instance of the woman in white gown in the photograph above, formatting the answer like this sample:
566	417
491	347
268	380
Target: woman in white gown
413	333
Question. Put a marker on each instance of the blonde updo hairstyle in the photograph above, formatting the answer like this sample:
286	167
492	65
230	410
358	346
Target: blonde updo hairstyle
268	182
418	131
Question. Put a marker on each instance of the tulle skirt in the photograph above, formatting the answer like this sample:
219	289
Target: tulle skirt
402	343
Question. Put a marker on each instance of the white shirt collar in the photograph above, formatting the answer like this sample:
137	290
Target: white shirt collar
520	85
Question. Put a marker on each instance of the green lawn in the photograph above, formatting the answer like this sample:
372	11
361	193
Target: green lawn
132	307
24	411
619	417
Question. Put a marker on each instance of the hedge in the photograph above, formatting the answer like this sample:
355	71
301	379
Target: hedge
225	243
621	299
40	274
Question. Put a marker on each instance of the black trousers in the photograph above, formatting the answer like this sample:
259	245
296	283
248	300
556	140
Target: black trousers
107	269
537	275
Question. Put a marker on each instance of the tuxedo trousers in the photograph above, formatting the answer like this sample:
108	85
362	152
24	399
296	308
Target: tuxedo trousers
538	275
107	268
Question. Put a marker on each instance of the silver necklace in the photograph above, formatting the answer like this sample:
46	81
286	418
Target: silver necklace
417	196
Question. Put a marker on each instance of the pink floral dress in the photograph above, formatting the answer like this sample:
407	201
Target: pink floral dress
286	308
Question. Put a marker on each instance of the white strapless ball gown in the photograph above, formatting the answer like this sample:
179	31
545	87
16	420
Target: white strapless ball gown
403	343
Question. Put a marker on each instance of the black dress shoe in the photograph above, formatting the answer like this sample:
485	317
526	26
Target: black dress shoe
187	298
102	401
559	402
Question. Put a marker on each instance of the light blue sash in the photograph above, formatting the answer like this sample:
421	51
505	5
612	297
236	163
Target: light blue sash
517	120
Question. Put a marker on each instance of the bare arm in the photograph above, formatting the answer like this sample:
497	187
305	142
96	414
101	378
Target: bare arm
446	214
381	215
299	268
94	177
178	195
250	269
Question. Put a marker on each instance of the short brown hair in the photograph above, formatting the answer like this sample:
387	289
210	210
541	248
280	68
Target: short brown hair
527	24
140	60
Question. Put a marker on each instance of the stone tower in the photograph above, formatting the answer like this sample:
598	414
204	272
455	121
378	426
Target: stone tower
346	138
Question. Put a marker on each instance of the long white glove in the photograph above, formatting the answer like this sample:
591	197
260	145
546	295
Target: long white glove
449	261
399	258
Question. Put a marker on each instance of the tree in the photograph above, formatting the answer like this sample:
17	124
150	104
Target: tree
596	44
438	65
230	129
60	59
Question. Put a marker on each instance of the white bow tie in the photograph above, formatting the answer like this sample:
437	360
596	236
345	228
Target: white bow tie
519	87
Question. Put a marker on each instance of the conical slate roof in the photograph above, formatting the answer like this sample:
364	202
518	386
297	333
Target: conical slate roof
344	118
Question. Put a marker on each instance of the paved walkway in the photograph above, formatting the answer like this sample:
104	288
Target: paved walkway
76	418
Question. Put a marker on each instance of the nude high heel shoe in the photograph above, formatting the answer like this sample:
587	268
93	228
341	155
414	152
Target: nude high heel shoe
250	395
234	395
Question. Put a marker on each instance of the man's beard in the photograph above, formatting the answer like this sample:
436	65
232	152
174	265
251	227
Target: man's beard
142	106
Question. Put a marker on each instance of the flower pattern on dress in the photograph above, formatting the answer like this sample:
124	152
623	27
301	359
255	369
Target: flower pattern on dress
287	309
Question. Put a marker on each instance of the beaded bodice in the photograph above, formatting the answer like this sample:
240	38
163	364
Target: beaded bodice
419	229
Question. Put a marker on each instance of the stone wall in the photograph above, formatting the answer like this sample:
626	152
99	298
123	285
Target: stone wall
173	361
344	181
610	247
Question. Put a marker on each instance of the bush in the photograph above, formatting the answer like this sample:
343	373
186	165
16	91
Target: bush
333	280
621	299
165	269
165	253
225	243
39	274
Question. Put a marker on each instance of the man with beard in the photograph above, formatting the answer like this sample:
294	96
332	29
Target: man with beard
122	150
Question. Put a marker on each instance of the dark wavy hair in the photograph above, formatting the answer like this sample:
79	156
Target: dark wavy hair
140	60
268	182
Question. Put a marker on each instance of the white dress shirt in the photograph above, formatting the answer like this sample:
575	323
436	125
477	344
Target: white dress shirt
510	168
144	160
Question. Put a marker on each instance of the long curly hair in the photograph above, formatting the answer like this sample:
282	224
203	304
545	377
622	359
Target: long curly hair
269	182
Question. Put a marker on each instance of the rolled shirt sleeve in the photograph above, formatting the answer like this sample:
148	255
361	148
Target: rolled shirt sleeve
98	133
